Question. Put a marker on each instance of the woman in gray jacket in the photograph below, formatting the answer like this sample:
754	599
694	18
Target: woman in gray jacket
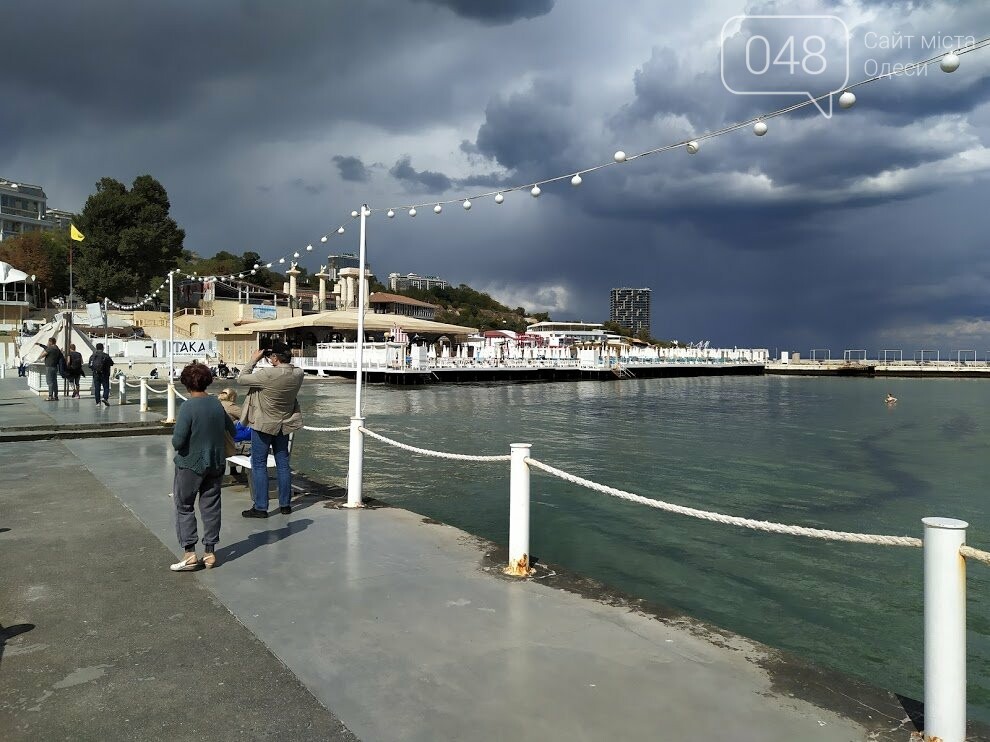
198	440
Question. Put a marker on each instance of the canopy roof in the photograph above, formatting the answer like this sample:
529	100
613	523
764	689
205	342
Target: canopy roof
10	274
347	320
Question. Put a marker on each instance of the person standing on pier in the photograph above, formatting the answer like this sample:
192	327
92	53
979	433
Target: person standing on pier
52	358
73	365
100	364
198	440
272	412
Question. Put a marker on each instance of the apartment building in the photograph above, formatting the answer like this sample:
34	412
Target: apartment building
398	282
630	308
24	208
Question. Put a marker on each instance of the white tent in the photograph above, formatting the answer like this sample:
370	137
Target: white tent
10	274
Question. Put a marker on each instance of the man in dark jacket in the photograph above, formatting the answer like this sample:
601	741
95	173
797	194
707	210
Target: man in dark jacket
53	359
100	364
73	364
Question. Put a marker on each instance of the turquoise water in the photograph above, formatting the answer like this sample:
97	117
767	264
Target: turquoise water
821	452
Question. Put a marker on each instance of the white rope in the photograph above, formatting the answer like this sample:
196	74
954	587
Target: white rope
132	386
970	553
437	454
731	520
155	391
326	430
179	395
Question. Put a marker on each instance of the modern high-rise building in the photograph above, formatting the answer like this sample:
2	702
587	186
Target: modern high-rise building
397	282
630	308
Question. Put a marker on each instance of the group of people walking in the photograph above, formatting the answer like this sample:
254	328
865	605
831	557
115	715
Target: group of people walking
69	365
204	428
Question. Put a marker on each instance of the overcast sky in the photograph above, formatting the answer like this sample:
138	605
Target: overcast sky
268	122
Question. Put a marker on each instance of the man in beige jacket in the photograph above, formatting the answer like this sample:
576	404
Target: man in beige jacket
271	410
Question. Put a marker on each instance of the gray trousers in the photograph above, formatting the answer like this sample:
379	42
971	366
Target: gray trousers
185	487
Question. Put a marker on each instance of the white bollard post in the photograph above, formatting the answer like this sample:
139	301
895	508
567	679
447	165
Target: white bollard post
355	464
945	630
3	370
519	510
170	413
144	394
122	389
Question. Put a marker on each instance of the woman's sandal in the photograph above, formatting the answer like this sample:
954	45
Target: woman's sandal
210	560
188	564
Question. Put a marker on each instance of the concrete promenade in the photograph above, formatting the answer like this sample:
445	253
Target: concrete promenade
331	621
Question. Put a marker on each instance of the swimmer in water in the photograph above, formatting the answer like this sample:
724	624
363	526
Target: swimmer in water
891	399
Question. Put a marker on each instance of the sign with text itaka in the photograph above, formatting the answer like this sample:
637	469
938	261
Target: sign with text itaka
94	313
263	312
193	348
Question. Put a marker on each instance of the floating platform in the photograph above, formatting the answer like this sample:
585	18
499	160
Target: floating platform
931	369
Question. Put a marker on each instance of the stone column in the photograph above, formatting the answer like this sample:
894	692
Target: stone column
292	273
323	276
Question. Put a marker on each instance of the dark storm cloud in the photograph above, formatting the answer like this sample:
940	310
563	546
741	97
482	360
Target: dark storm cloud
498	12
530	129
425	181
352	169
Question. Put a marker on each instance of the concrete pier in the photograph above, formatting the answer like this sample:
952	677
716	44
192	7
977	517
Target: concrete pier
333	621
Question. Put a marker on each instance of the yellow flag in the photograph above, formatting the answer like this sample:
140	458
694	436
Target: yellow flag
75	233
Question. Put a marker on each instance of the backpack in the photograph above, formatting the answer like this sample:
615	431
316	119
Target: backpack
63	371
98	362
241	432
75	361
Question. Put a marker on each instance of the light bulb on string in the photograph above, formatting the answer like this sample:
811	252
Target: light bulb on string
437	209
309	248
390	213
253	272
340	230
466	204
619	156
354	215
412	212
692	147
950	62
323	238
499	198
295	255
847	100
269	265
760	128
577	179
535	191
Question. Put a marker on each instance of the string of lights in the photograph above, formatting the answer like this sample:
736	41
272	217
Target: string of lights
948	62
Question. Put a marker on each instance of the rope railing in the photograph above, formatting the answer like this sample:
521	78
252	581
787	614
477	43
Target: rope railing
429	452
731	520
155	391
979	555
326	430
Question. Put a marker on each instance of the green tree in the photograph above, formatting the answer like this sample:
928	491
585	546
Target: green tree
131	241
44	255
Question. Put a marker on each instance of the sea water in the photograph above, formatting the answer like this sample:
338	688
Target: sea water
819	452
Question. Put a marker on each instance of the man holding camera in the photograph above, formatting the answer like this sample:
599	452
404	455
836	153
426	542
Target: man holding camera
272	412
